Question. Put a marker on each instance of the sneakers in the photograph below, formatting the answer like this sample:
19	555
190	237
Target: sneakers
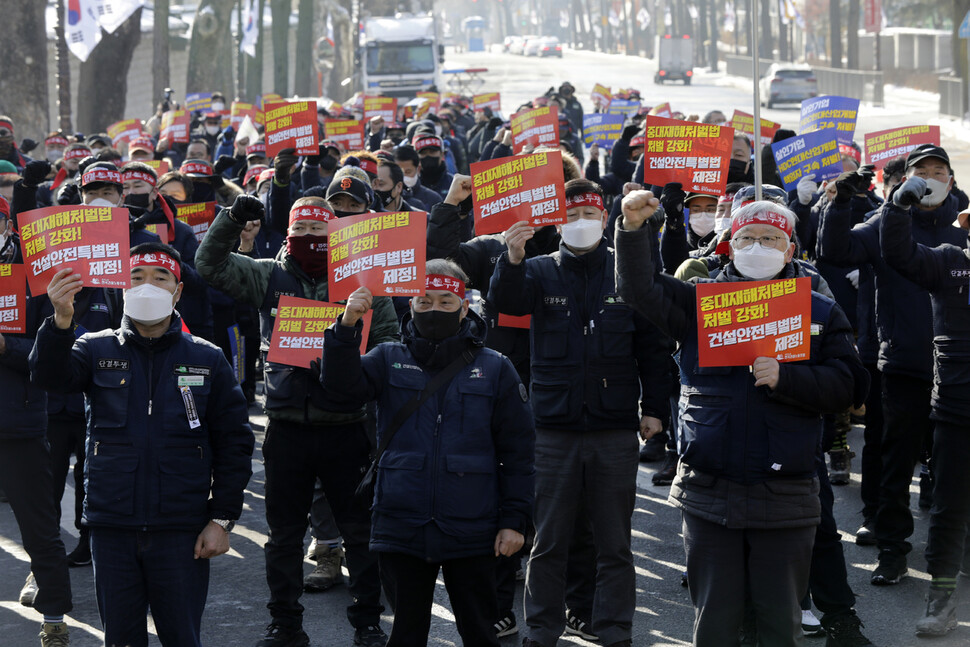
81	555
281	636
54	634
371	636
865	535
891	569
577	627
840	466
810	624
506	627
327	573
665	475
311	551
654	449
29	592
941	614
844	631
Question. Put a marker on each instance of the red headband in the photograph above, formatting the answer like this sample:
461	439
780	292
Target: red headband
311	212
428	142
7	124
139	175
259	148
56	140
761	218
201	168
77	153
845	149
638	141
142	144
253	173
370	166
727	197
100	175
443	282
4	207
157	259
584	200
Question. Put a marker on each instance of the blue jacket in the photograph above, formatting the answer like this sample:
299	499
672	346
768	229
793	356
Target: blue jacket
462	467
903	313
24	404
944	271
146	466
593	358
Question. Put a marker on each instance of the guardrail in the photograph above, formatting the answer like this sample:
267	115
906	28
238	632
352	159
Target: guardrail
864	85
952	96
741	65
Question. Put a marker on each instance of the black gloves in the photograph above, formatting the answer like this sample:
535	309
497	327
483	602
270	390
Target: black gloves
314	160
246	208
285	161
851	183
69	194
27	145
223	164
672	201
630	132
910	192
36	172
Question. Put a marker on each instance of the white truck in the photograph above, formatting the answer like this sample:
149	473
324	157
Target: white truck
675	59
400	56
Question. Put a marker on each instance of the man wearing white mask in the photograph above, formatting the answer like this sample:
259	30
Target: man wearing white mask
593	362
169	449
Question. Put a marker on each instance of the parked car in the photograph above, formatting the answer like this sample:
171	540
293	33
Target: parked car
510	41
549	47
787	83
532	46
518	46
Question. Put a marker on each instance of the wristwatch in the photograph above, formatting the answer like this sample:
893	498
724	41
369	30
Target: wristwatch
227	524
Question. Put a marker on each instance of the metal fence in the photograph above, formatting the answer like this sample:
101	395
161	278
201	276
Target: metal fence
864	85
952	96
741	65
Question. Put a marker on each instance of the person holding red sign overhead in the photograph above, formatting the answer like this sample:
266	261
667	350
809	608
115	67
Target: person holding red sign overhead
306	438
169	449
455	474
593	361
746	481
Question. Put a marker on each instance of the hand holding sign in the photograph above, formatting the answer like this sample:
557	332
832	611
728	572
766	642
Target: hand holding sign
766	371
516	237
61	293
359	302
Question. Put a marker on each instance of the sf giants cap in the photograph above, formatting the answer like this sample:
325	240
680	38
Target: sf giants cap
352	186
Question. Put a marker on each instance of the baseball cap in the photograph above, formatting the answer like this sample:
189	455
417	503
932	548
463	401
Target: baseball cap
427	141
141	144
691	196
101	172
923	151
254	172
352	186
256	150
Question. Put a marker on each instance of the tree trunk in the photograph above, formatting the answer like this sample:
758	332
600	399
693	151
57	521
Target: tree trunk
766	42
782	36
23	82
281	32
254	65
304	51
210	48
161	77
852	35
111	59
749	50
715	34
345	49
702	36
835	34
63	72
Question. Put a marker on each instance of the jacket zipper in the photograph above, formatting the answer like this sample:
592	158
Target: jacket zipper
434	463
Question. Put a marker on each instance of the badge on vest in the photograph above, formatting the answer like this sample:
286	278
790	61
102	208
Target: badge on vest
112	364
189	369
190	410
556	301
191	380
99	307
613	300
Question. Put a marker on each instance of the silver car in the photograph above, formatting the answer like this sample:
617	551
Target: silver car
787	84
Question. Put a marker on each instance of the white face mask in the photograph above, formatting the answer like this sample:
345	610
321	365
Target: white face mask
721	224
702	223
101	202
218	106
54	155
148	304
936	192
437	130
212	130
759	263
582	233
410	181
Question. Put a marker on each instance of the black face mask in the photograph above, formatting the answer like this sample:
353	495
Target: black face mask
435	325
397	139
385	197
328	163
344	214
430	164
138	200
203	192
737	172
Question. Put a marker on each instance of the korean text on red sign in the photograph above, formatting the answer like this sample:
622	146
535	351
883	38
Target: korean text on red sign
175	126
738	322
348	133
291	124
385	107
13	298
885	145
527	188
299	328
93	241
539	127
490	100
743	122
696	155
383	251
198	216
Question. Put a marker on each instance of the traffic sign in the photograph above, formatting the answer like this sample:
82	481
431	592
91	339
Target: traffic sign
965	27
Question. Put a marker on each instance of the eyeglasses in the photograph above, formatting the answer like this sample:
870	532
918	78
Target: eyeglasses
743	242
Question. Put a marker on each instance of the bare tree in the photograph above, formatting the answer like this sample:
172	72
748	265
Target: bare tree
63	72
111	59
23	82
160	71
835	34
303	72
254	65
210	48
852	35
281	33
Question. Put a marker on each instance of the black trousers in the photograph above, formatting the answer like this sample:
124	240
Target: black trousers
25	475
951	499
906	407
829	581
410	581
66	437
296	456
872	451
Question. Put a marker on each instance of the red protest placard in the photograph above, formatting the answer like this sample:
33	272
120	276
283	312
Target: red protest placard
269	97
93	241
539	127
884	145
161	166
601	95
432	105
663	110
527	188
175	126
348	133
696	155
239	111
13	298
385	107
198	216
383	251
743	122
739	322
299	327
124	131
291	124
490	100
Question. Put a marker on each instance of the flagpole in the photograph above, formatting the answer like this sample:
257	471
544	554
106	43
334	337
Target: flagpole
756	75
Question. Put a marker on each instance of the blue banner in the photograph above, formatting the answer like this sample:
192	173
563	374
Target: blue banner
625	107
815	153
237	348
603	129
820	113
198	101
